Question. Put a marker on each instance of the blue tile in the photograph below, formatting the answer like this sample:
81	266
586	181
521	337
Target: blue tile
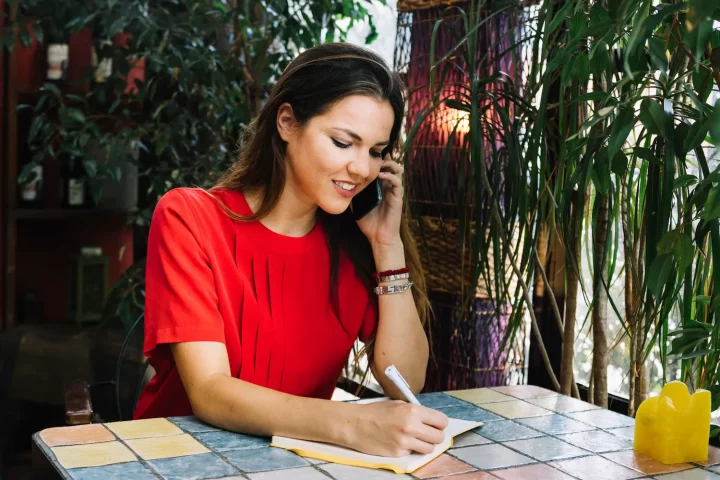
505	431
264	459
439	400
119	471
222	441
193	467
470	413
555	424
193	425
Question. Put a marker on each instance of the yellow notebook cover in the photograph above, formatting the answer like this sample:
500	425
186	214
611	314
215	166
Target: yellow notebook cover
406	464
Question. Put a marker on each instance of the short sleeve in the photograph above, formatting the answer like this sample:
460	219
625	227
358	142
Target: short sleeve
369	322
181	302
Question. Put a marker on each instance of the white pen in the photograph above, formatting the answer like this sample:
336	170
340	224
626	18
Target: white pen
394	375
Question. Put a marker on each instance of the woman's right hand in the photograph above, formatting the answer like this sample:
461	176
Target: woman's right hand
396	428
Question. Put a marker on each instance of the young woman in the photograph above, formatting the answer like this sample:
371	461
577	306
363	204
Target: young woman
257	288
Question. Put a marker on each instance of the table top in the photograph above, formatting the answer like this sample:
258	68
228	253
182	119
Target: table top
529	433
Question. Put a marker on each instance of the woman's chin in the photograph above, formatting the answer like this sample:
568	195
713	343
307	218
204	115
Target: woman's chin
334	207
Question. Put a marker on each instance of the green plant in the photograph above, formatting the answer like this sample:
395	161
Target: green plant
208	68
603	144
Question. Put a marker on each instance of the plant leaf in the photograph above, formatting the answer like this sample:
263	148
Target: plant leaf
652	116
696	134
658	274
621	127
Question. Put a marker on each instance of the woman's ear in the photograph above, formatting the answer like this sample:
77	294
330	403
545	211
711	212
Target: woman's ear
286	122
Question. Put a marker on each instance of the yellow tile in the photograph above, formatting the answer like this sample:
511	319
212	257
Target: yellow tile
516	409
152	427
93	454
166	447
480	395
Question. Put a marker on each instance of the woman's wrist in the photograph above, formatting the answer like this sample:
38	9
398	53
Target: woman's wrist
389	256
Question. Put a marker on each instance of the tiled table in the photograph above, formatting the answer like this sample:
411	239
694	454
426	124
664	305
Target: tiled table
529	433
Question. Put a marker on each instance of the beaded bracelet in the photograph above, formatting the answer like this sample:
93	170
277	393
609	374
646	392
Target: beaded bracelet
393	288
388	273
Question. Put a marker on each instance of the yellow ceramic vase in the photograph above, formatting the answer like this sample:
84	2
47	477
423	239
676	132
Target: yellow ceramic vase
674	427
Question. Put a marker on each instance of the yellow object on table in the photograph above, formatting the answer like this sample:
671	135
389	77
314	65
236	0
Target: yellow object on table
675	426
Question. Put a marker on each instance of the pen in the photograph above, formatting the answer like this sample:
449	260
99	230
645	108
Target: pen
394	375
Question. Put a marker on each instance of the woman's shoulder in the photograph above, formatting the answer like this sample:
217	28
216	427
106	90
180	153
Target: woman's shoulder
200	201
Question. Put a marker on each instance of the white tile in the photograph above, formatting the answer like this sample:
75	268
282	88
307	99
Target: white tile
305	473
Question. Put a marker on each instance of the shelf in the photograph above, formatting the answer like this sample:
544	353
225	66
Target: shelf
63	213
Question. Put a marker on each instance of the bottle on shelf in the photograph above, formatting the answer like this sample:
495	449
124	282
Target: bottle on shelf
58	54
75	194
31	191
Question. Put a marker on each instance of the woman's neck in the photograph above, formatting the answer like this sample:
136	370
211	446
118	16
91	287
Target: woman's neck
291	216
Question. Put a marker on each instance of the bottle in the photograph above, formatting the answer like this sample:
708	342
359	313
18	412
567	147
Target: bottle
74	183
58	54
31	191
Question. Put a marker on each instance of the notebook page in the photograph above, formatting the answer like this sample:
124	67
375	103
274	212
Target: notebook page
337	454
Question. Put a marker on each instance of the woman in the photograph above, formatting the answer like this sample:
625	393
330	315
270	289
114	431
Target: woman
257	289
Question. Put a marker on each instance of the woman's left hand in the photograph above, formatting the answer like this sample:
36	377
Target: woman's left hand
381	226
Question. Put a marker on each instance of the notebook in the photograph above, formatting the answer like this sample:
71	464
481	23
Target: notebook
406	464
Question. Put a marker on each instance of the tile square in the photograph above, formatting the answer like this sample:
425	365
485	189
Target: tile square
555	424
597	441
93	454
166	447
506	430
546	449
595	468
119	471
480	395
194	467
715	469
346	472
526	391
532	472
193	424
490	456
304	473
151	427
516	409
470	413
563	404
264	459
81	434
468	439
469	476
437	400
713	457
223	440
644	464
627	432
694	474
603	418
443	465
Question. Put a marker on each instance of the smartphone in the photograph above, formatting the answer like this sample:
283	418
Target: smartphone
364	202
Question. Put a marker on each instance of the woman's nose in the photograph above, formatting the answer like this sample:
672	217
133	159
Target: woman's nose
360	167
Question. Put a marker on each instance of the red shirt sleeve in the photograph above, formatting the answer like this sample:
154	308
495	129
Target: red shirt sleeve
180	296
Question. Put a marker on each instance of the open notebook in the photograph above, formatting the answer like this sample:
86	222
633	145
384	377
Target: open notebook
406	464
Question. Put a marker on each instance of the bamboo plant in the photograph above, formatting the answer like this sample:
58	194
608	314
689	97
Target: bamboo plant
605	144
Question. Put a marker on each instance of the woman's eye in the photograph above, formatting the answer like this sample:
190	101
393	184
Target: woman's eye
339	144
376	154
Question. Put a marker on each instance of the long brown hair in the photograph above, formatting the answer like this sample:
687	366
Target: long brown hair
311	84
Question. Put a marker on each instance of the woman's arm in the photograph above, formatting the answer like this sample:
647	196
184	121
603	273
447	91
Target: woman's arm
400	338
382	428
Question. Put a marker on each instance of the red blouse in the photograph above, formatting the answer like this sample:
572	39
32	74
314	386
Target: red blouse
262	294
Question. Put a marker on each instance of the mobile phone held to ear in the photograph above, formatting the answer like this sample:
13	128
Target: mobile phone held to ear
364	202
